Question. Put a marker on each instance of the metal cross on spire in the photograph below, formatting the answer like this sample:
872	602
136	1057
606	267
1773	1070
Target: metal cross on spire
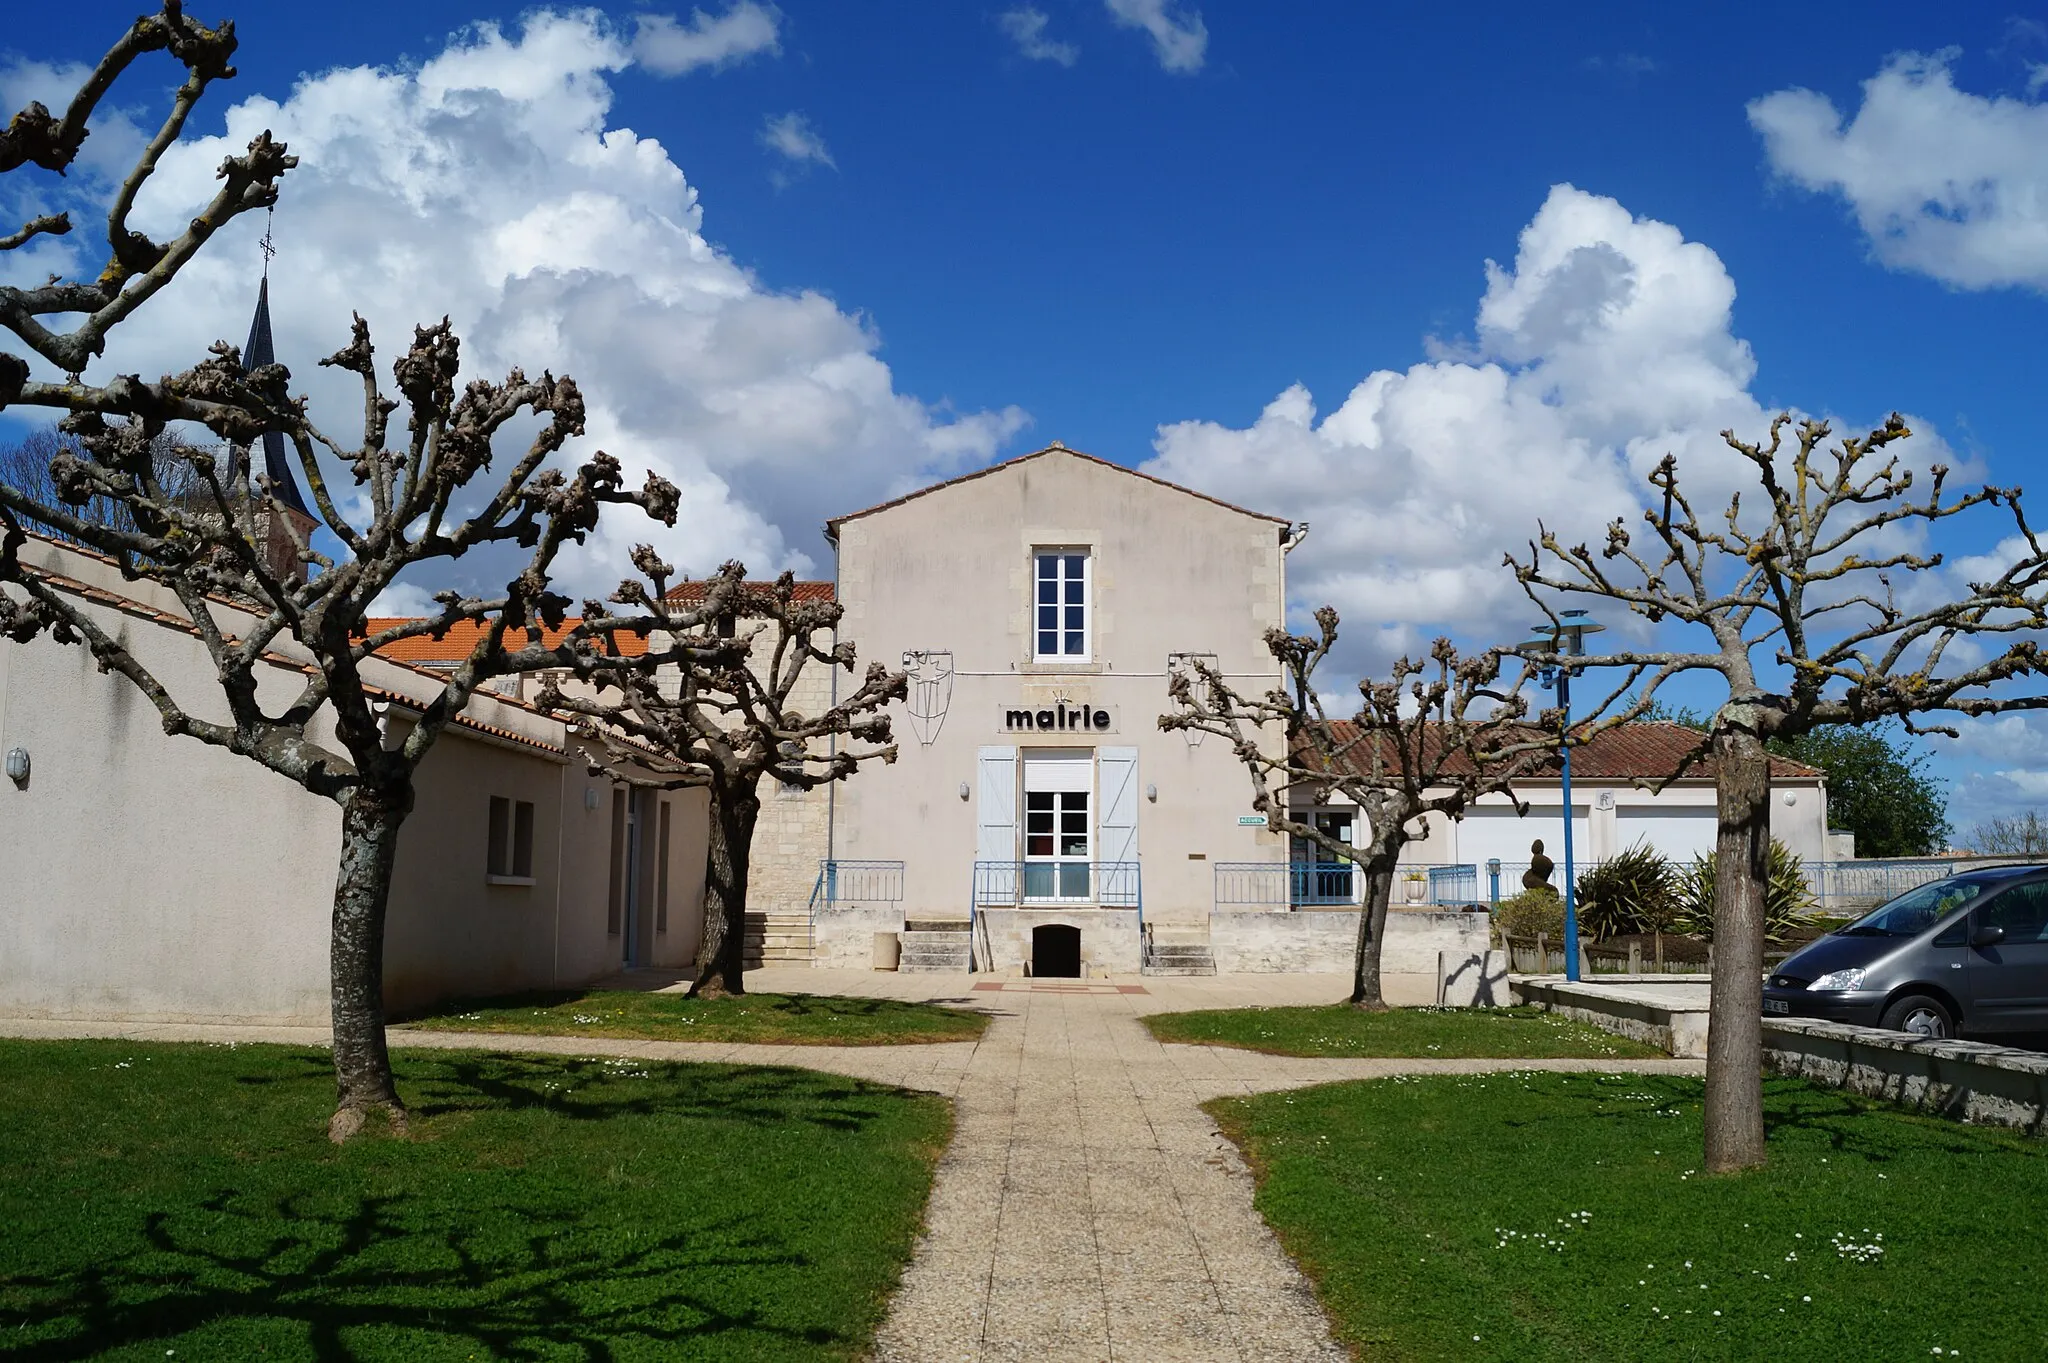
264	245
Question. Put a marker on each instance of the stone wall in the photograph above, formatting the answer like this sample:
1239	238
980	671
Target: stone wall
1325	942
844	938
791	835
1109	938
1970	1080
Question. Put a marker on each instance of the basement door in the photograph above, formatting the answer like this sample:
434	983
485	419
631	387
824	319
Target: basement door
1059	824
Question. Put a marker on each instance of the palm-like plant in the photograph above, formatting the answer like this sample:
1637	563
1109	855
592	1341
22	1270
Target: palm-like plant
1634	892
1787	899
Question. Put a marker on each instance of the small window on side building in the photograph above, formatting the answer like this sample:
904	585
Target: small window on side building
509	853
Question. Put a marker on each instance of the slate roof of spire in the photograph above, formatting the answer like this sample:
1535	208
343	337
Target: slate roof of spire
261	351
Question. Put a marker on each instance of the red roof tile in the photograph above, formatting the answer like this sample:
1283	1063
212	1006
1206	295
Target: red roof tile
692	591
1651	750
455	645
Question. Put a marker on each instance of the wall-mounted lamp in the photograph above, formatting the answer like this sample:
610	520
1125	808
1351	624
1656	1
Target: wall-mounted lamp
1493	866
1152	793
1791	797
963	790
17	766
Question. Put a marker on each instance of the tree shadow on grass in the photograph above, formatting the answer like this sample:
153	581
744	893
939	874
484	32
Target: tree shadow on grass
397	1276
1850	1124
591	1089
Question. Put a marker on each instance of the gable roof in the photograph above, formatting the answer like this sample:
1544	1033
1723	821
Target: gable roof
1648	750
832	526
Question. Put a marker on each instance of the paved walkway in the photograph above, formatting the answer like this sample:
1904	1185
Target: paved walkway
1087	1208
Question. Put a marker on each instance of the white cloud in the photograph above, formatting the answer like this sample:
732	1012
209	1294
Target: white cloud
668	47
1608	343
792	136
1025	26
402	598
1180	40
1943	182
490	184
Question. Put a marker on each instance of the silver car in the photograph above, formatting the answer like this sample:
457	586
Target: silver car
1965	954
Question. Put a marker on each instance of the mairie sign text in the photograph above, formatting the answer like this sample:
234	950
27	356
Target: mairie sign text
1058	719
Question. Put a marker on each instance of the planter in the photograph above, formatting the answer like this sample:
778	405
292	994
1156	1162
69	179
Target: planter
1414	891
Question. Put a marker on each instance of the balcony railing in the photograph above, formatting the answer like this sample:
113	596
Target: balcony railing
841	884
1028	884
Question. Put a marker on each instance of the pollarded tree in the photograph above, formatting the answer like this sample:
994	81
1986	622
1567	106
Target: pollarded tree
1804	626
726	715
259	581
1432	738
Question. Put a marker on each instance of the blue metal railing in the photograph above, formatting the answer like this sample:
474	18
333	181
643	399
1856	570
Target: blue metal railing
856	882
1108	884
1837	886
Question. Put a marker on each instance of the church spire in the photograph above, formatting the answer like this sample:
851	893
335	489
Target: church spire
261	351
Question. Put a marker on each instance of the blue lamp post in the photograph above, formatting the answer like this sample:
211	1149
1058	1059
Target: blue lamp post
1568	638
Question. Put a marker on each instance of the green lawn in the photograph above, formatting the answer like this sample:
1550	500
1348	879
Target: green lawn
1548	1216
777	1019
1406	1033
176	1201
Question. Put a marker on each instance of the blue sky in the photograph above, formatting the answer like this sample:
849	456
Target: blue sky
1136	226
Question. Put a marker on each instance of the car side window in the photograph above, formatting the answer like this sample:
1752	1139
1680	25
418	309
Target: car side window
2022	911
1954	934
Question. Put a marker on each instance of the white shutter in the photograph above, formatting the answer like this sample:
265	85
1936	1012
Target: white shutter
995	810
1116	772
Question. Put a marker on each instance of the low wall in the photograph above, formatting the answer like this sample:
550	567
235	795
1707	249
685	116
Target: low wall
1326	941
1109	938
844	938
1971	1080
1660	1011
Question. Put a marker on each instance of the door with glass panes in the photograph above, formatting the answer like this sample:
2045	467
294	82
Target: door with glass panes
1059	824
1320	877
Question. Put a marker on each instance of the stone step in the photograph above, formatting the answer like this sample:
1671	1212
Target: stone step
929	962
937	925
1178	958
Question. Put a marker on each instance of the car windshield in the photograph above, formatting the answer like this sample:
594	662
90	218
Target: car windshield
1916	910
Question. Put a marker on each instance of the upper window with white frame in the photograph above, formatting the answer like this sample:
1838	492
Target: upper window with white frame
1062	606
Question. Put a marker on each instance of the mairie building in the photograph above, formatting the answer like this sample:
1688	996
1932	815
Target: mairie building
1037	821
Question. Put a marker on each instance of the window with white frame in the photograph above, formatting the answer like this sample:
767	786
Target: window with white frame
1061	606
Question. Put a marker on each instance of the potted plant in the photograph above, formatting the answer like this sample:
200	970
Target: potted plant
1414	885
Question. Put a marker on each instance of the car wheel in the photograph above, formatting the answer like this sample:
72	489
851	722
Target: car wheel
1919	1015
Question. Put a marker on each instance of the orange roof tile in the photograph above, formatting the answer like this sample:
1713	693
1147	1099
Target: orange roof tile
693	591
455	645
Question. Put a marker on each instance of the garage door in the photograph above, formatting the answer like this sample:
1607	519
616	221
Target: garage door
1677	833
1494	831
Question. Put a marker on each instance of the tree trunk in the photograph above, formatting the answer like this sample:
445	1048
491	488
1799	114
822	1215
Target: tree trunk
370	820
1735	1035
1378	873
721	955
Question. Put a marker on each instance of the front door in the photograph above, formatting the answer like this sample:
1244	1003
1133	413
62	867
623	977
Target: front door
2008	981
1059	824
1319	877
